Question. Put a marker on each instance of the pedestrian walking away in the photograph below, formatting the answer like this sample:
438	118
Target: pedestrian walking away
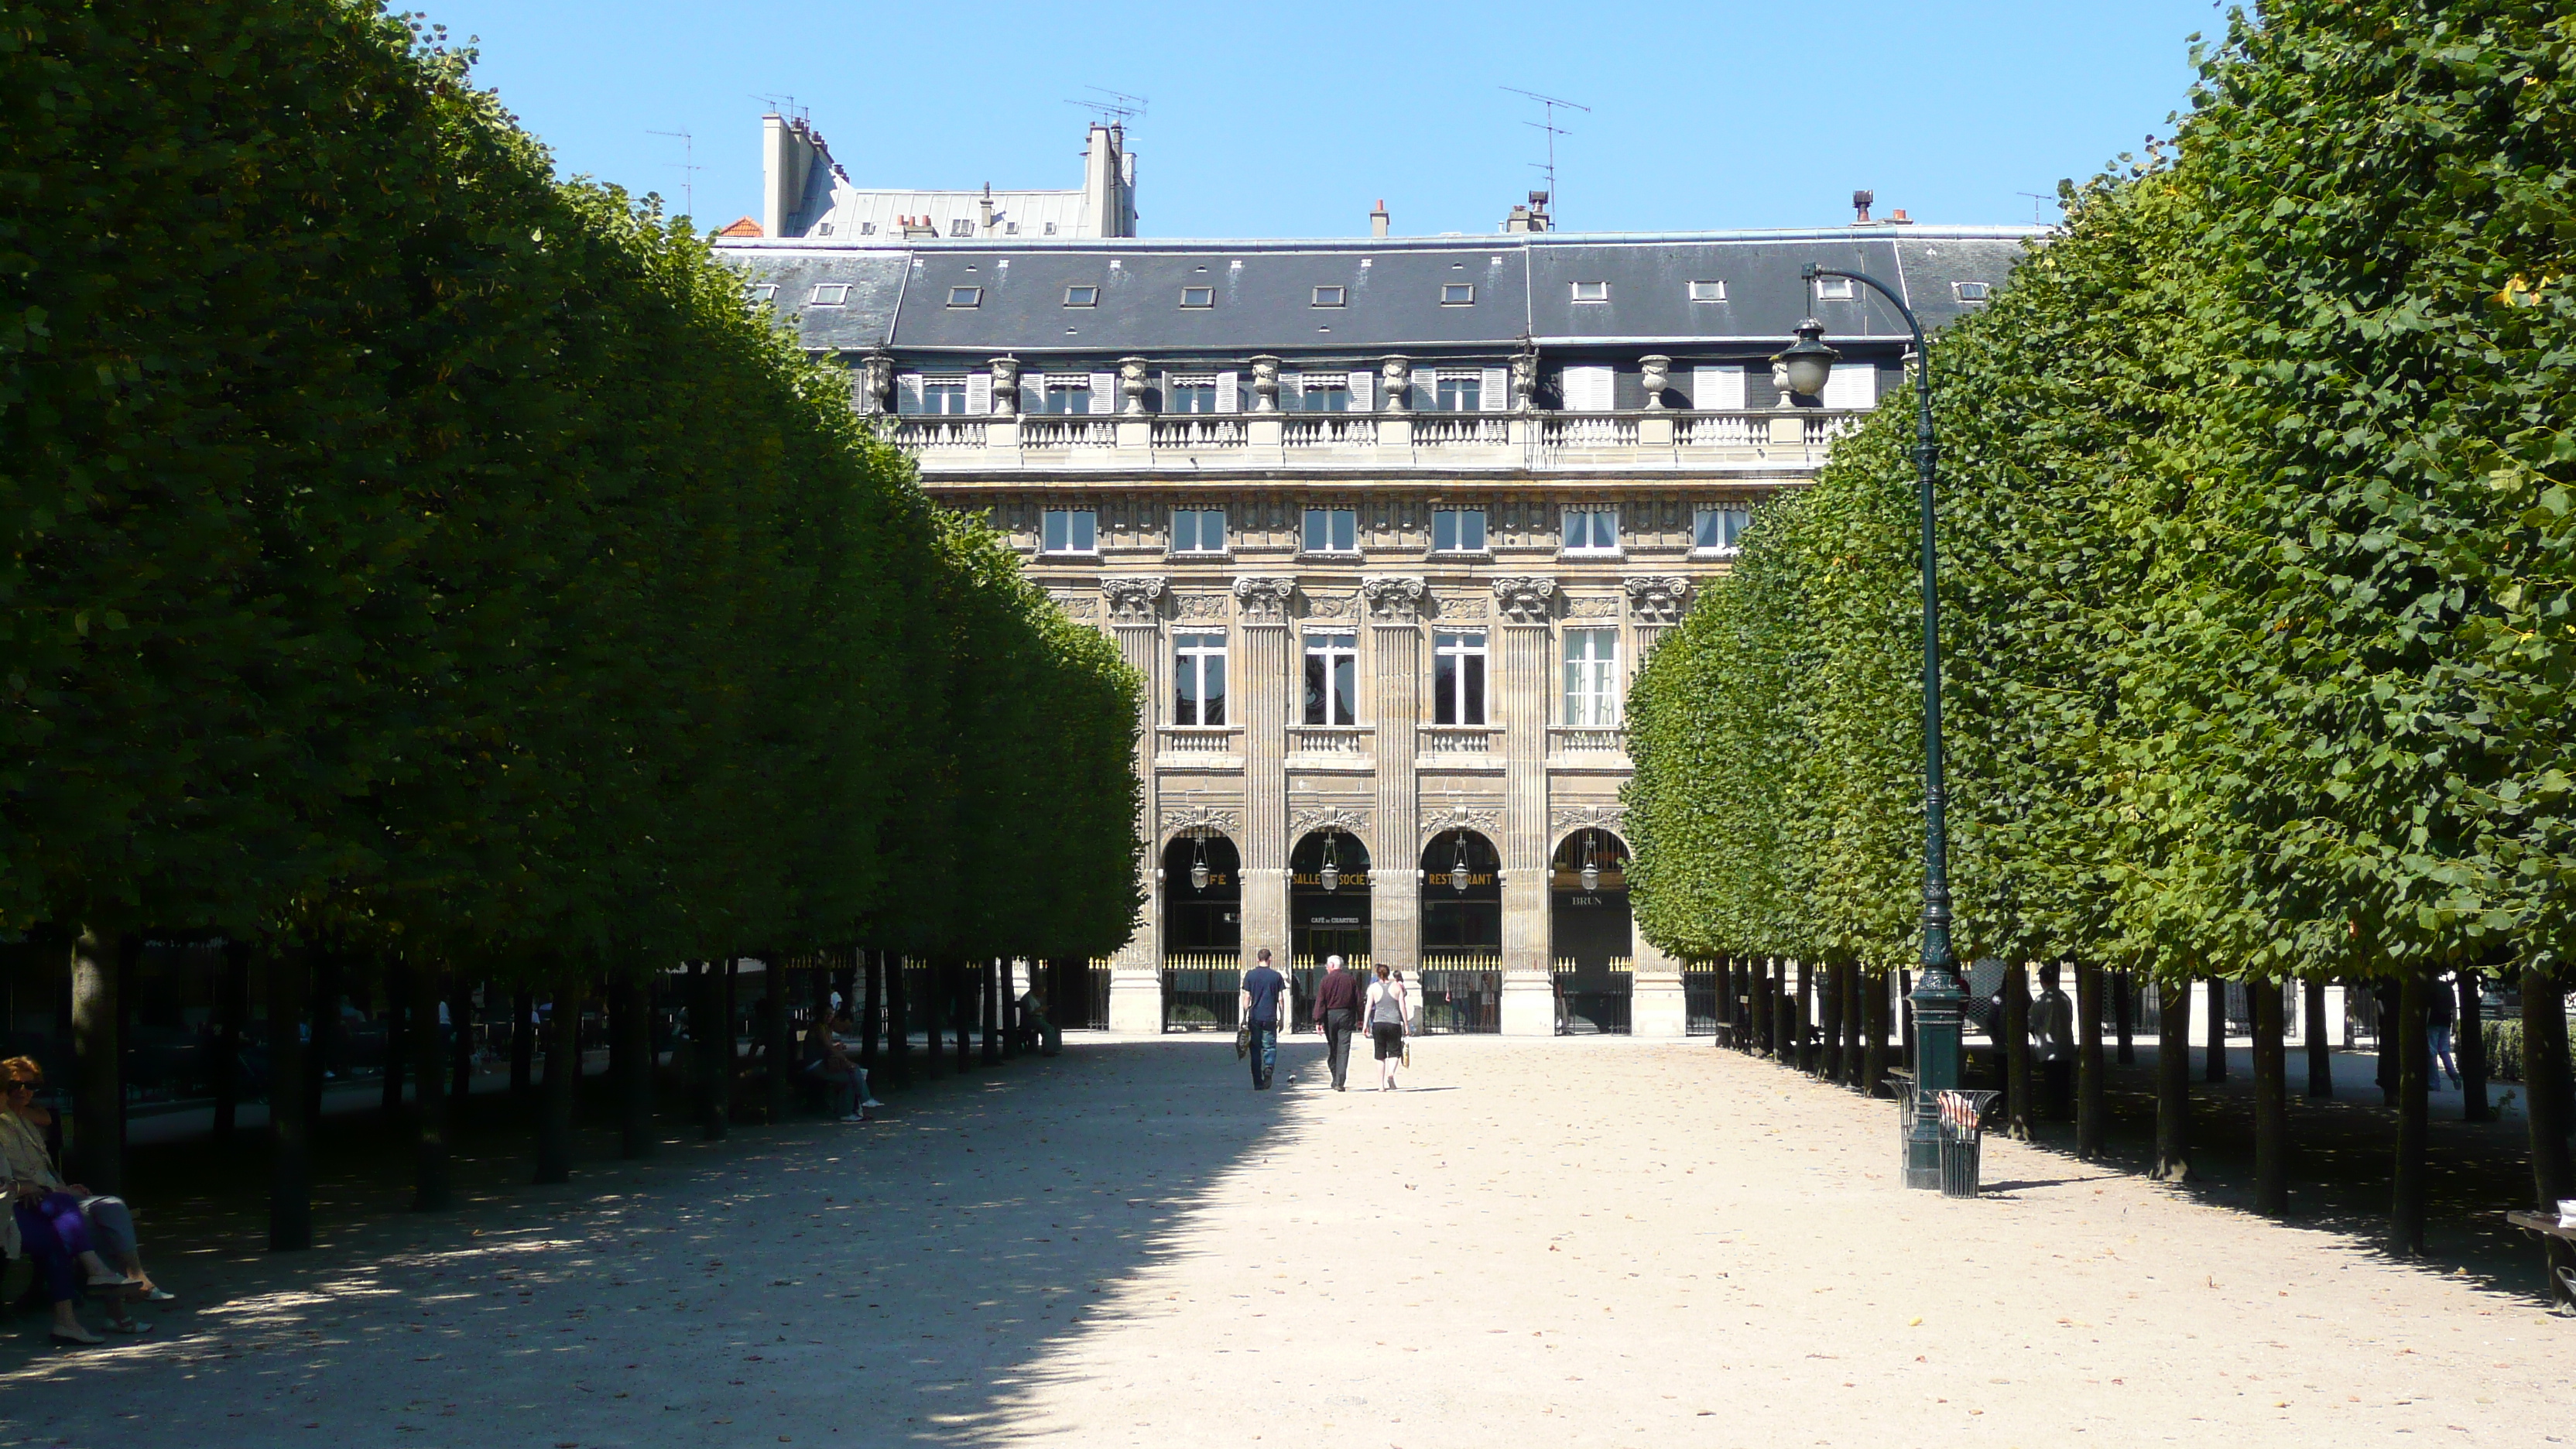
1262	988
2439	1014
1388	1009
1337	1014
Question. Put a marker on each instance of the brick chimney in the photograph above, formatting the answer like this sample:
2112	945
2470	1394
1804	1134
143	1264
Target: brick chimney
1378	219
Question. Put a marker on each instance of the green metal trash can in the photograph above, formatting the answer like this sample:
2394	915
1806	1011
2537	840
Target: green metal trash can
1962	1140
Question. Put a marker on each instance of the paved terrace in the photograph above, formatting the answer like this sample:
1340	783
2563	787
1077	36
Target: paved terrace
1595	1242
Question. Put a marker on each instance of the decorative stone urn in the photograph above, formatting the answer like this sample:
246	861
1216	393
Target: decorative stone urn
1265	384
1525	380
1658	375
1006	387
1396	377
1131	382
876	383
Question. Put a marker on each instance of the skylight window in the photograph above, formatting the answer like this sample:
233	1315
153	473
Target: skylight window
1331	296
1833	289
830	294
1969	291
765	292
1458	294
961	226
1198	296
1708	291
1082	296
965	296
1592	291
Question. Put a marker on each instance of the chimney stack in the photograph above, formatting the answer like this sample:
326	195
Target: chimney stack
1899	217
1378	219
1860	206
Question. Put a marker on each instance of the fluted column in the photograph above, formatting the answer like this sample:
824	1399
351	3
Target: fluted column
1261	684
1529	998
1395	646
1135	608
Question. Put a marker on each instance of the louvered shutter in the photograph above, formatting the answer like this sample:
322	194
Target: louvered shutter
1494	394
1033	392
1362	399
907	392
1226	401
1717	389
979	394
1104	392
1853	385
1587	389
1292	392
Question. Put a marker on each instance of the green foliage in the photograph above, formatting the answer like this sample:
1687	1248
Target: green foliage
410	548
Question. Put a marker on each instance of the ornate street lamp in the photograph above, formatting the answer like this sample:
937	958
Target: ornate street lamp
1591	875
1198	863
1458	871
1938	997
1330	877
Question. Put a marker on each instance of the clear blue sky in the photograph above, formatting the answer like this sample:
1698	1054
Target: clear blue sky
1276	119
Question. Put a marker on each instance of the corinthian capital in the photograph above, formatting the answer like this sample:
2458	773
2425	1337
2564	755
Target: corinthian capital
1263	600
1133	599
1394	600
1525	600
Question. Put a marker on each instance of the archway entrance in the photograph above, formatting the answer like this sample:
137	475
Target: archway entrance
1461	989
1328	898
1202	897
1590	933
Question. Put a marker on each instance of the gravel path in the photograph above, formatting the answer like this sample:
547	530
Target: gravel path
1579	1242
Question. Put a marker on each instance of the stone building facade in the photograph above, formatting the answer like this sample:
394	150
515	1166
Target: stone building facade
1386	524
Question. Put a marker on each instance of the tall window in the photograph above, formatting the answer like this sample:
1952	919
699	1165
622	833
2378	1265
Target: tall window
1332	679
1189	395
1458	679
1460	391
1068	393
1198	530
943	395
1325	392
1458	530
1198	679
1719	530
1072	530
1592	530
1332	530
1592	678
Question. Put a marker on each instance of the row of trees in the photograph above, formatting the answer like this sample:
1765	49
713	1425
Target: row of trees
418	559
2258	526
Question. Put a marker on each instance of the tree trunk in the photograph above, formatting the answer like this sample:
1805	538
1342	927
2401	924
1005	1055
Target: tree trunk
2215	1063
712	1036
2173	1082
325	1051
2271	1101
227	1063
961	1008
430	1192
2124	1000
2545	1086
631	1005
872	1011
1802	1013
2019	1100
2320	1046
290	1132
2388	1048
728	1044
1873	1066
2414	1071
2472	1052
523	1043
460	1039
397	978
993	1012
898	1024
1855	1024
1765	1030
1831	1009
777	1051
98	1052
2091	1104
563	1082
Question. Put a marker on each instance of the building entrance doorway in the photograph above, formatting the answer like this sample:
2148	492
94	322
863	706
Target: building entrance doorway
1590	933
1202	897
1328	899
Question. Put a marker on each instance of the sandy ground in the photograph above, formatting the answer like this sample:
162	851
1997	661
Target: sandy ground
1567	1242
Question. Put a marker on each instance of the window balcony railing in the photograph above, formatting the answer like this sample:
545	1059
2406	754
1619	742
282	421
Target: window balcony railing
1458	739
1587	430
1045	432
1330	430
1194	434
1586	740
1347	742
1719	430
1205	741
937	434
1434	430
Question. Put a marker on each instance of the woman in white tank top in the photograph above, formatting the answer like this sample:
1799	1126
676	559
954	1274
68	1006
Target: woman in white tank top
1386	1013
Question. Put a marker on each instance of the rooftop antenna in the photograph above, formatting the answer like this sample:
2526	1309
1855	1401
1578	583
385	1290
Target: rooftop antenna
2037	198
1116	111
1551	128
786	106
688	168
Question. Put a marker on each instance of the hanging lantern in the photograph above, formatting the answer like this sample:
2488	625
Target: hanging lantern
1458	871
1198	864
1591	865
1330	877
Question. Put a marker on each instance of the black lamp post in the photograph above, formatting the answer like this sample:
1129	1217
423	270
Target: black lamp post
1938	997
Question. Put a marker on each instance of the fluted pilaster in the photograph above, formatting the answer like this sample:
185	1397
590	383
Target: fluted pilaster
1264	671
1527	606
1395	646
1134	606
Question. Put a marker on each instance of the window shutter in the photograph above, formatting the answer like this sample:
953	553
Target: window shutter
1362	400
1104	392
1226	401
1494	394
1853	385
979	394
1292	392
908	393
1587	389
1715	389
1032	392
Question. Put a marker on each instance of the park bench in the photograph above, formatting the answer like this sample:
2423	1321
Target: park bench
2550	1225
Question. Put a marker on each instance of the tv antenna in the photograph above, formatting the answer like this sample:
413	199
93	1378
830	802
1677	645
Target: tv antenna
688	168
1117	110
2037	198
785	106
1550	103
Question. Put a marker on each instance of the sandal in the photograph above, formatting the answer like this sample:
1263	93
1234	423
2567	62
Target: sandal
160	1294
80	1336
128	1325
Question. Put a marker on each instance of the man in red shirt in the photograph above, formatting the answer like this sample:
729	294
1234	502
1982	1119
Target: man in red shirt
1337	1011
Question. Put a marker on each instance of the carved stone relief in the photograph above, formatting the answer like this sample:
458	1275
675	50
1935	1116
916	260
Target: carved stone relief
1198	606
1659	599
1435	823
1075	606
1264	600
1393	601
1132	598
1525	600
1449	606
1332	606
1185	819
1347	819
1592	608
1564	820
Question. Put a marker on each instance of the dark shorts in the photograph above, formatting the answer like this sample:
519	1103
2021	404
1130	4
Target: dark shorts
1389	1037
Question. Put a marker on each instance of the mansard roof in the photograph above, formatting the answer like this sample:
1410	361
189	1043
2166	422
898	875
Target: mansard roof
1262	293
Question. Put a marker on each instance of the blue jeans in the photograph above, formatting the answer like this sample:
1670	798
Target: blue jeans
1265	1053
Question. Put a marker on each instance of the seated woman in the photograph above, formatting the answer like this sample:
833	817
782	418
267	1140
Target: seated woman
843	1078
58	1222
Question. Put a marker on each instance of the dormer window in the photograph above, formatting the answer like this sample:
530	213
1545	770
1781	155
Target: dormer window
1969	291
961	226
1331	296
1833	289
1082	296
765	292
1592	291
965	296
1198	296
1457	294
1708	291
830	294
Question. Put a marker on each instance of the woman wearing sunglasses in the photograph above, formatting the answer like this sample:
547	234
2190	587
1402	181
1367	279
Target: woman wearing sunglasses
53	1222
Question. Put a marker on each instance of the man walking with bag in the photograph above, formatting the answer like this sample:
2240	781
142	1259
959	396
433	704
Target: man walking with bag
1337	1012
1262	986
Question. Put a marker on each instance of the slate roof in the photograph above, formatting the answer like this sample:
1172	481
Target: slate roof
1263	291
